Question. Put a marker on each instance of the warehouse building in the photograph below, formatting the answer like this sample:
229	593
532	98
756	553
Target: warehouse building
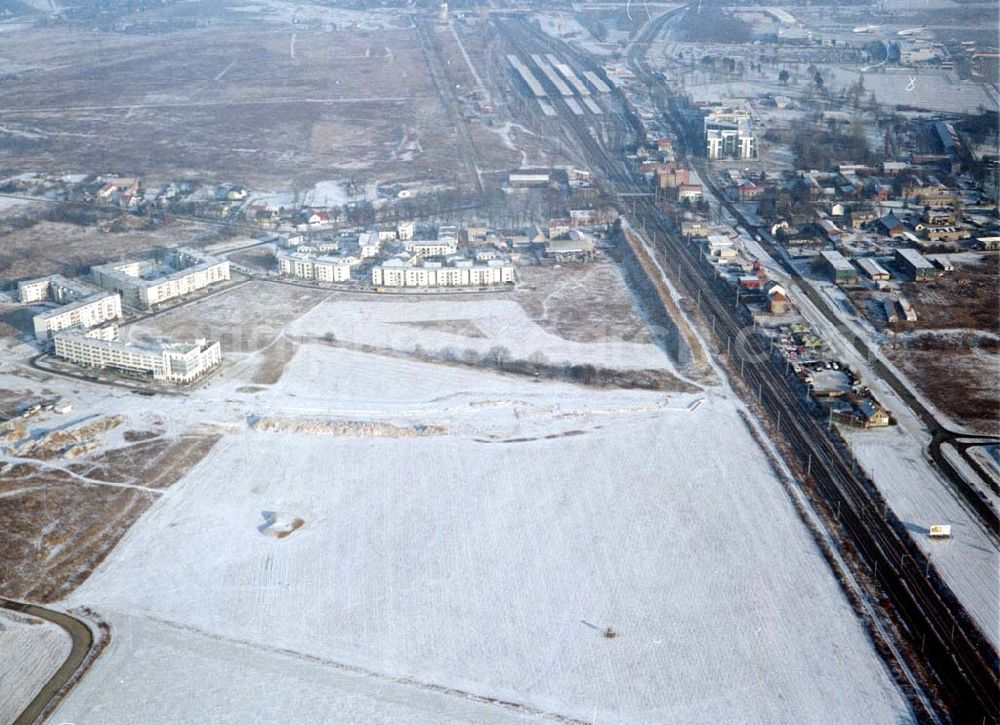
527	181
320	269
147	284
838	267
81	305
916	264
576	246
873	270
459	273
178	363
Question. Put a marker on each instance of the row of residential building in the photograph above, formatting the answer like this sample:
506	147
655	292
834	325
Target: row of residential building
80	305
399	272
146	284
321	269
101	348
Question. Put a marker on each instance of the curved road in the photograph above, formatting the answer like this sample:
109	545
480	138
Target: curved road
82	644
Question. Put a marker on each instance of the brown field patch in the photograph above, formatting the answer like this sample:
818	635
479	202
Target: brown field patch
58	528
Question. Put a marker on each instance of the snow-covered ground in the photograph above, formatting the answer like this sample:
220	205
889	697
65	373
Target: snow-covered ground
392	324
485	559
332	18
210	679
930	90
31	650
566	27
968	561
329	194
896	460
451	535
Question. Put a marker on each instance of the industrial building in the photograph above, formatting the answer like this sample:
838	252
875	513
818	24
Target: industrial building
147	284
918	266
838	267
729	134
524	181
873	270
721	246
81	305
321	269
178	363
574	246
399	272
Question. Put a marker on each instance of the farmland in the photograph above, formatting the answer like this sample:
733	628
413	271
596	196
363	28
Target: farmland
426	539
218	99
419	560
33	649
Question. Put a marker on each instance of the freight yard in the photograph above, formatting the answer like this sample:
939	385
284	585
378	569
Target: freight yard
491	364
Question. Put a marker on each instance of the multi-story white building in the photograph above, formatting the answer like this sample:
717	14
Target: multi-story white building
145	285
321	269
461	273
405	231
86	313
369	244
179	363
387	234
432	247
80	305
729	134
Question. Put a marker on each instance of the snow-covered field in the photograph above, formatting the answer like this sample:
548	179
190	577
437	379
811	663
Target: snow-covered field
448	537
396	325
329	194
484	560
31	650
930	90
919	496
221	681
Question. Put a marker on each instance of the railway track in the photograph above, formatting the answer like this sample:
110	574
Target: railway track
935	625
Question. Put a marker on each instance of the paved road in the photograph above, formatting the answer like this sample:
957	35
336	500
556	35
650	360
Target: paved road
82	643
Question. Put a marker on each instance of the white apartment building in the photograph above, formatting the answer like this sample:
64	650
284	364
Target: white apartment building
433	247
81	305
145	285
55	287
89	312
178	363
463	273
34	290
321	269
